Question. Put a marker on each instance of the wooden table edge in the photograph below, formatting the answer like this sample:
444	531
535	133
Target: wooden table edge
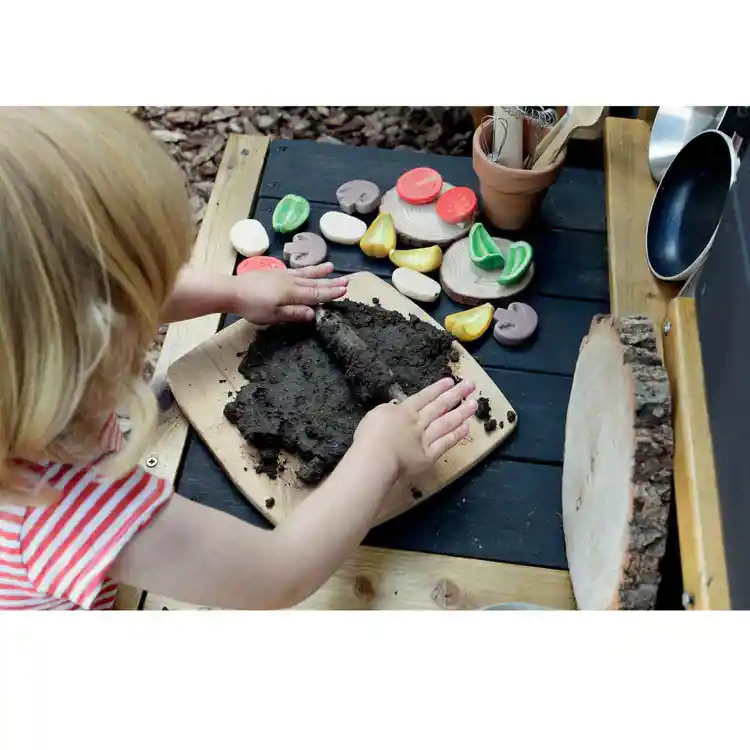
704	569
634	290
422	580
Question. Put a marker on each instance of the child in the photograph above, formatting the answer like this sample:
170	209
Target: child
95	228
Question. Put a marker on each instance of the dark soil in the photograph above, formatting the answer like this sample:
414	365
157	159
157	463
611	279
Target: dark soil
300	399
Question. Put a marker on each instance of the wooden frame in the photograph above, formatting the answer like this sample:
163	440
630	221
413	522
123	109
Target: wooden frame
372	578
633	289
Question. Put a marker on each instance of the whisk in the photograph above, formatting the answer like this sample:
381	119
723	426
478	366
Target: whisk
540	118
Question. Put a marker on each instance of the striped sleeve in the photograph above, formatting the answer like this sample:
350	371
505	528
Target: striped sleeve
68	547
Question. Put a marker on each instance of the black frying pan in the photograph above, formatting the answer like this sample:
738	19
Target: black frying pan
688	205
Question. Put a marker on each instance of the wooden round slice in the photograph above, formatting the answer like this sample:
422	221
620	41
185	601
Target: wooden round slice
457	205
420	226
259	263
466	283
617	470
419	186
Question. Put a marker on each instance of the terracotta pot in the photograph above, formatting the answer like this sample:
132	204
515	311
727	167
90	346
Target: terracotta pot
510	197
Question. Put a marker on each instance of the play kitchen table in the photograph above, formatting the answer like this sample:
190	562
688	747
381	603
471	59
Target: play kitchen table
495	535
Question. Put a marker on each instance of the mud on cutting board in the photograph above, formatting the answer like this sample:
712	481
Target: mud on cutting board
202	379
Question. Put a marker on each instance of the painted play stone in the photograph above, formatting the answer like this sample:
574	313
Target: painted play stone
342	228
361	196
420	226
249	238
483	250
415	285
468	284
291	212
517	261
380	237
422	259
305	249
514	325
457	205
419	186
259	263
469	325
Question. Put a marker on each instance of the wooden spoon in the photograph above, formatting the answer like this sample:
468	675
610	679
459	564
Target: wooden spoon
549	135
580	117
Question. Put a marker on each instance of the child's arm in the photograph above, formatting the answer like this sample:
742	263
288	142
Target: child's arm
195	554
263	297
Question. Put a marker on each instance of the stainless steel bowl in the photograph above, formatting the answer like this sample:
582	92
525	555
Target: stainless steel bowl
673	128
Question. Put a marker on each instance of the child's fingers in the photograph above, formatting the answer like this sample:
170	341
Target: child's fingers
450	421
427	395
313	272
314	295
445	402
304	281
296	314
446	442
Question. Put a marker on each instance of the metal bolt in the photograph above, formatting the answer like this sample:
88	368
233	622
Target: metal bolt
687	600
152	462
244	152
667	328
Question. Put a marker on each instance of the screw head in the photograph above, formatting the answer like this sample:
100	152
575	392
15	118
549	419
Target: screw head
667	328
152	462
244	152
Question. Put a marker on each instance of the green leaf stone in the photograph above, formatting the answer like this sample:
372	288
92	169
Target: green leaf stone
291	212
482	249
517	263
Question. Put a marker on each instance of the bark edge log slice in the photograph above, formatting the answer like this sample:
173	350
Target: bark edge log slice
420	226
617	468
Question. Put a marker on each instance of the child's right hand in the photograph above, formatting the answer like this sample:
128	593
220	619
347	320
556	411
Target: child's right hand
417	432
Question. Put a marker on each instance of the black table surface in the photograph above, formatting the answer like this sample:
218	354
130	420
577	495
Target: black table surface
508	508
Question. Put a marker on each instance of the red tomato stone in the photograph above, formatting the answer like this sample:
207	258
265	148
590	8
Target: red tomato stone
457	204
259	263
419	186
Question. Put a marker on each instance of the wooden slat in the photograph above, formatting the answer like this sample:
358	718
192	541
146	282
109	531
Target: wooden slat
629	192
696	494
231	200
382	579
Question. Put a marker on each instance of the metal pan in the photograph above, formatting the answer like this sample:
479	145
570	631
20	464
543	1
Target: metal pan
688	205
673	128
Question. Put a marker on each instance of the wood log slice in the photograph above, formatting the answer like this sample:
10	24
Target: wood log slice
420	226
617	470
466	283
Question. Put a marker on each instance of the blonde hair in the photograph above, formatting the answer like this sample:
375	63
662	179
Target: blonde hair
95	224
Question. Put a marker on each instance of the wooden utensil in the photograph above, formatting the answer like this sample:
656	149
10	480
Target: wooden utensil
551	133
577	117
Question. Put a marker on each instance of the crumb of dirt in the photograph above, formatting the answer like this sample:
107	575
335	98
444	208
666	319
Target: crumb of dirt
511	417
240	354
299	399
501	424
490	425
230	394
222	381
416	494
244	468
270	502
454	356
483	411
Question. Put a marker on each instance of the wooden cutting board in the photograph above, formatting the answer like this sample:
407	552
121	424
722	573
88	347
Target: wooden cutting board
202	379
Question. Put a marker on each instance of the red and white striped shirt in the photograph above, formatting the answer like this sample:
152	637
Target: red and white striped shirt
57	556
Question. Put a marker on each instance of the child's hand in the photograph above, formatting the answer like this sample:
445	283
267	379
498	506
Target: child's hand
278	296
419	430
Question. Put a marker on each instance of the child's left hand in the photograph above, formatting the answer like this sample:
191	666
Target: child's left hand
277	296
